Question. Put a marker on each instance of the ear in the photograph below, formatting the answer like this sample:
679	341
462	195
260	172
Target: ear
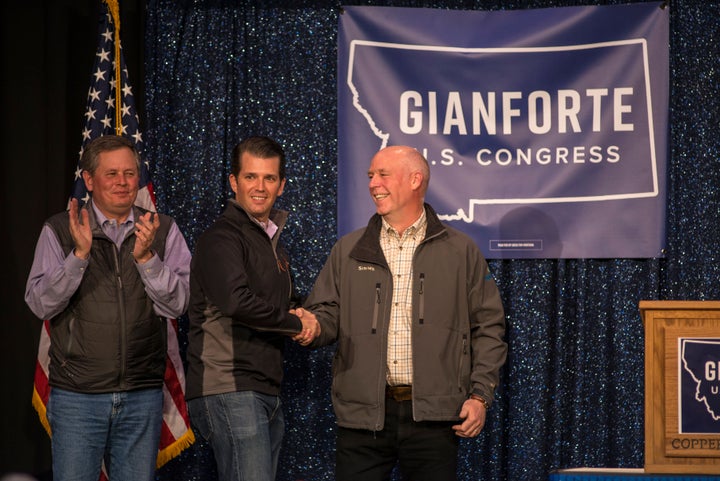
416	179
88	180
233	183
282	187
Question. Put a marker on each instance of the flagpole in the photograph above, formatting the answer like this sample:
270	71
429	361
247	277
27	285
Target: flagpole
114	9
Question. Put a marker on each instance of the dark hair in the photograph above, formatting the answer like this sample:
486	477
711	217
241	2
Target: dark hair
260	146
106	143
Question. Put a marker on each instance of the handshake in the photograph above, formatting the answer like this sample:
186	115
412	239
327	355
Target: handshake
310	326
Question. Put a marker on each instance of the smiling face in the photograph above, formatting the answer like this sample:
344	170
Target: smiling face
257	185
114	183
396	185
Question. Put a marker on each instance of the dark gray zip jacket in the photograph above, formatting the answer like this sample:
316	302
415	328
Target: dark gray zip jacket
240	297
108	338
458	324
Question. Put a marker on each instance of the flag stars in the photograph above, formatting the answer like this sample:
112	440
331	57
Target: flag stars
90	113
127	90
107	35
137	136
99	75
94	94
78	170
107	122
104	55
125	110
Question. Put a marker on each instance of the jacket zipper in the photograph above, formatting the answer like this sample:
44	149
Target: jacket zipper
376	308
121	305
421	301
379	420
282	264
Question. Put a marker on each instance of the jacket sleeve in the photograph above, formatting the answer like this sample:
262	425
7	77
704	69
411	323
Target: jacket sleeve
324	299
54	276
487	325
217	267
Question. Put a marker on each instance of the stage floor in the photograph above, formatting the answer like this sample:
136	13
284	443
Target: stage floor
624	474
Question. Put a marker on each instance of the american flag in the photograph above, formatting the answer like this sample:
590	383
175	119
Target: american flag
108	113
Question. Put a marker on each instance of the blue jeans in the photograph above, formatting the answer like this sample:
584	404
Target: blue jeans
245	430
121	428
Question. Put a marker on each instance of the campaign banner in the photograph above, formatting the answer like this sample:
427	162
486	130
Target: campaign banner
546	130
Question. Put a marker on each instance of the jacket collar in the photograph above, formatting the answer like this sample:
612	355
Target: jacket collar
367	248
236	212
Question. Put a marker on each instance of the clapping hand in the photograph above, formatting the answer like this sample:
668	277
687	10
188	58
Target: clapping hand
145	228
80	229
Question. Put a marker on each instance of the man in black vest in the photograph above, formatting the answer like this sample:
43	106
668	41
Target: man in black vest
107	275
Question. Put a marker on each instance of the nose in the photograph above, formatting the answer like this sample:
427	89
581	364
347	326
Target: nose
373	181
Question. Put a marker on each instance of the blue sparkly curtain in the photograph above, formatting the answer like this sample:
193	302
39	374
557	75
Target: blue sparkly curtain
572	389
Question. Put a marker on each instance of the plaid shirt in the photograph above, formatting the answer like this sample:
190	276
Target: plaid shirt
399	251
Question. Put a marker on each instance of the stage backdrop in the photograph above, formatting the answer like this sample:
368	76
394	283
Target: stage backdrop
545	129
572	390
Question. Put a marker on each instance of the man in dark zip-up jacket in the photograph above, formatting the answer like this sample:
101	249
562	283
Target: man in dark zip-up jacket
419	326
239	319
106	276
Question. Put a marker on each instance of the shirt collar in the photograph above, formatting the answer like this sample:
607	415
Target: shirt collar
420	223
269	227
102	219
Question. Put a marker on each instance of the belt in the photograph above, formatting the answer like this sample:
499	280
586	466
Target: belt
399	393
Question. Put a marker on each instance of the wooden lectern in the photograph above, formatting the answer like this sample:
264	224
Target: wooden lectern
675	331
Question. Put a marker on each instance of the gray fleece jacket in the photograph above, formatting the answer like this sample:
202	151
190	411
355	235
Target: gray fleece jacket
458	324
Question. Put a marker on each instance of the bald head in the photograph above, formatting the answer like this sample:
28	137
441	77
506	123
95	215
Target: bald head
411	159
399	177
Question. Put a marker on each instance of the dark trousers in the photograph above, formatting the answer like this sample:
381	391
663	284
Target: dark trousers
425	451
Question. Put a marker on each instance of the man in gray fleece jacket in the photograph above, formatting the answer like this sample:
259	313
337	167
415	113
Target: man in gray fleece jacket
419	326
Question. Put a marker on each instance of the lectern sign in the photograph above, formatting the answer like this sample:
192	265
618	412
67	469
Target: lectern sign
682	386
692	400
699	374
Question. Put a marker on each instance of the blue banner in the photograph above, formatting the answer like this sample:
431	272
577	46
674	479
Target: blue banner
546	130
